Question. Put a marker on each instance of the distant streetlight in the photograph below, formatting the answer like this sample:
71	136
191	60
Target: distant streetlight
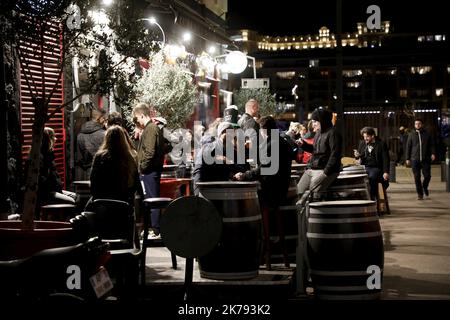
152	20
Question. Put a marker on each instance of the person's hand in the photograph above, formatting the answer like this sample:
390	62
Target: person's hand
299	142
239	176
356	153
433	157
386	176
408	163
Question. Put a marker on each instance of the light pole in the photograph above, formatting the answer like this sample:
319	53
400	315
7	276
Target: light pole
152	20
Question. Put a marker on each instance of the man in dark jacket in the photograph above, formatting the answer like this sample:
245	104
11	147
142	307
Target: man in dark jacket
247	120
325	163
150	159
420	151
89	140
373	153
211	163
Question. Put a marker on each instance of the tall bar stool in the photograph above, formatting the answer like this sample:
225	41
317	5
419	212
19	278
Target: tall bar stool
153	203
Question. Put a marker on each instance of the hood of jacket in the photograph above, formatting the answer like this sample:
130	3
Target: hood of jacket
324	117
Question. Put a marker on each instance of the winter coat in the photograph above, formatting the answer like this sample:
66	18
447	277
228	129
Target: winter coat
88	142
107	181
381	151
246	122
420	146
327	148
151	149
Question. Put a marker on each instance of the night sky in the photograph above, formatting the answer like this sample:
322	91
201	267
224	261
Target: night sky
290	17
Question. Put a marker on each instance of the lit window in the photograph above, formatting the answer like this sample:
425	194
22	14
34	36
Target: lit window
420	39
403	93
354	84
438	37
351	73
313	63
439	92
420	70
285	75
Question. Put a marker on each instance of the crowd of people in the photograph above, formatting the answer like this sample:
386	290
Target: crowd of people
119	166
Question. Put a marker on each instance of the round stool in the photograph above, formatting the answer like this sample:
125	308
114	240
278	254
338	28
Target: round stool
57	212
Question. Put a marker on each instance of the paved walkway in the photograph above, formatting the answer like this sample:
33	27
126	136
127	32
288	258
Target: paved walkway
417	240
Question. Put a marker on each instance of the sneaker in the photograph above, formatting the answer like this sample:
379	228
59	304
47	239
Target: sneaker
427	193
153	235
420	198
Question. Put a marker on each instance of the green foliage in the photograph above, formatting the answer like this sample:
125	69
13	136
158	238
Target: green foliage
266	100
169	89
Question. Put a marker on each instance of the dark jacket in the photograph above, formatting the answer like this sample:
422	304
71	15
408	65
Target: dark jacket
274	188
49	180
88	142
246	122
381	151
151	149
204	172
420	148
327	148
108	183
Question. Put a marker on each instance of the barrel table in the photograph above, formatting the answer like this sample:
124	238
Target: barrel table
237	254
345	249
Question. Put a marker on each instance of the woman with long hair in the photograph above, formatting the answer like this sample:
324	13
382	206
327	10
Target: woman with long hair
114	169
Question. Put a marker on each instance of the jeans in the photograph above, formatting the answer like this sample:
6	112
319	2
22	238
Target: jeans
425	167
150	185
375	176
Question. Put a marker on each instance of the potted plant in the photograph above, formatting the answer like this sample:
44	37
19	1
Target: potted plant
169	88
266	100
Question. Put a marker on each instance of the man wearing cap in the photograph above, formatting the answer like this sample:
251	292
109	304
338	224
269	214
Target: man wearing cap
325	162
212	163
150	158
230	114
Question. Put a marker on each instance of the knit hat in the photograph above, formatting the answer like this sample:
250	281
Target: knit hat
230	114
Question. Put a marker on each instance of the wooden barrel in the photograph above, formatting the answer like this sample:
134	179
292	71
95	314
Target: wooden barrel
359	169
345	246
288	212
346	187
356	168
238	252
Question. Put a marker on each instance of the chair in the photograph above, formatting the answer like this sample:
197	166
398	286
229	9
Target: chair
114	222
153	203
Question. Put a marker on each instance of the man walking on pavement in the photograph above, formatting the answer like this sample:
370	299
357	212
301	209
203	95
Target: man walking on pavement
420	151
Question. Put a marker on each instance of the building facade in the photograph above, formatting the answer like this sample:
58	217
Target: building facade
387	78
